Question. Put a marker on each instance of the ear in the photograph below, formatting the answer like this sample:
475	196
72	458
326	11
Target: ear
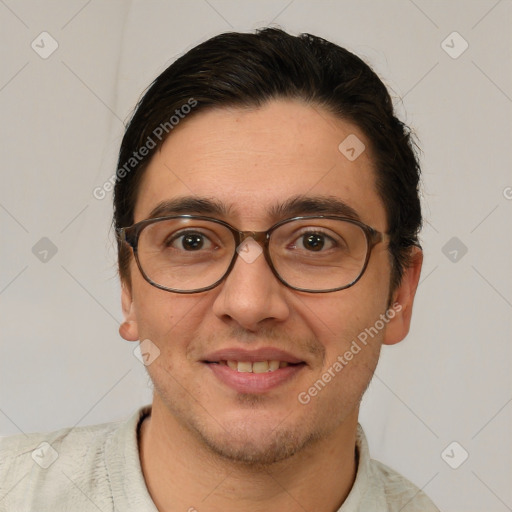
403	298
129	329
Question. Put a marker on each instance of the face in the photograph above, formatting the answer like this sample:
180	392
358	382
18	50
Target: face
252	160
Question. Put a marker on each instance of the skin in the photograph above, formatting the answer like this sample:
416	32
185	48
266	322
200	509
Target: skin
204	445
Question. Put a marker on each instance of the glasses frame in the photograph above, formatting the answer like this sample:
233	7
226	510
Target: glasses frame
131	234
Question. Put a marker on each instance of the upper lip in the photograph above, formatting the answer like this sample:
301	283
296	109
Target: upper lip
262	354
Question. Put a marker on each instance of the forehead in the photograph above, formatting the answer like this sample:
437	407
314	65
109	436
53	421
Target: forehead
252	162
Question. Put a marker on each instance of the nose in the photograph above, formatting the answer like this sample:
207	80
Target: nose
251	295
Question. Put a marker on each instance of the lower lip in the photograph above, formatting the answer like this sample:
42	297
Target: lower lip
246	382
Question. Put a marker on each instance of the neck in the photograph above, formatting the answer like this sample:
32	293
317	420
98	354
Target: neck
181	474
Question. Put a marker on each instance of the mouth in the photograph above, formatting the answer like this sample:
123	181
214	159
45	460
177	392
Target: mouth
254	372
254	367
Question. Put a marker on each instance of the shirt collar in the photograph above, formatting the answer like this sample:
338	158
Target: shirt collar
129	490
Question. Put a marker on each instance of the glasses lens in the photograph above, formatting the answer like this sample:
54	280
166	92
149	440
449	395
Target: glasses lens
185	254
318	254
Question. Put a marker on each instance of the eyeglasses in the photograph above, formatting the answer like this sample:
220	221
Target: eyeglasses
192	254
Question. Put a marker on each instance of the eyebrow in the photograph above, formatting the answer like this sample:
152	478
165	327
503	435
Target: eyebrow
316	205
292	207
190	204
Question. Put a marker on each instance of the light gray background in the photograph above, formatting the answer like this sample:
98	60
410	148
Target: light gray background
62	360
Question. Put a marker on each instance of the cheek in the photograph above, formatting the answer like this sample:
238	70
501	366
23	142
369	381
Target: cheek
352	349
339	317
344	324
166	318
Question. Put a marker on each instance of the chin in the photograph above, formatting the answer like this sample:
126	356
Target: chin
253	446
250	431
256	437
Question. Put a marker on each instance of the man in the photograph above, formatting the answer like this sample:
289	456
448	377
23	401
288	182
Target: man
267	212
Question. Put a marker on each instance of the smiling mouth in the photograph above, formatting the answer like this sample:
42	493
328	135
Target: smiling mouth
256	371
254	377
254	367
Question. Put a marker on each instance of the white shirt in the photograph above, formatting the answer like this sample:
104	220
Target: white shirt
97	468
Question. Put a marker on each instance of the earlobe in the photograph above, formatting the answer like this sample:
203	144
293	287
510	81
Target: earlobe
403	299
128	329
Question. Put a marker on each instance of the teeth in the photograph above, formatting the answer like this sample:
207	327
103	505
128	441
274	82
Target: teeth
244	366
273	365
256	367
260	367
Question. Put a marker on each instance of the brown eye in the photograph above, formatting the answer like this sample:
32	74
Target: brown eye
189	241
313	242
192	242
